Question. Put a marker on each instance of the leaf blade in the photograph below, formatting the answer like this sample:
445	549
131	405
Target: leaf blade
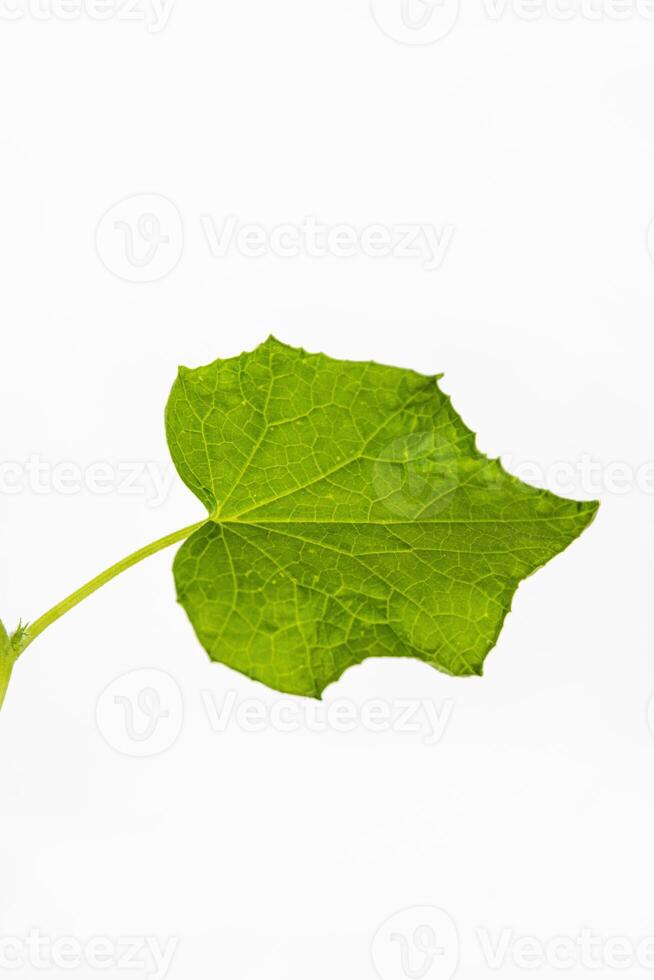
355	518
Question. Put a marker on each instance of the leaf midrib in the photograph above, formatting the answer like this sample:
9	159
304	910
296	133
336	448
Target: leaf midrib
364	523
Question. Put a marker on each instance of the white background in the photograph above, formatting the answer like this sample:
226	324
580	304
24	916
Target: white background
279	855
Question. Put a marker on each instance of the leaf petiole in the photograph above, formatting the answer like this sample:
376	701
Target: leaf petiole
50	617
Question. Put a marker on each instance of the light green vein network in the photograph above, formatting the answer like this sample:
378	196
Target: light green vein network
350	516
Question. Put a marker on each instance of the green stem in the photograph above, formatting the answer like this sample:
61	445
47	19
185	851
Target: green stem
65	605
6	667
7	661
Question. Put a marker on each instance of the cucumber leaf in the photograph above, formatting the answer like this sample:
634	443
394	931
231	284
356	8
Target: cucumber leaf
350	516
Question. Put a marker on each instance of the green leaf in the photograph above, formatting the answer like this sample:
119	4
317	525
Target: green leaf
351	516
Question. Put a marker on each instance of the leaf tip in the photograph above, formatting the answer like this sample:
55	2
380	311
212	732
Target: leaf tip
587	511
274	343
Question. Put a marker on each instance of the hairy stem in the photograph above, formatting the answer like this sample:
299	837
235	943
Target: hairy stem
96	583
